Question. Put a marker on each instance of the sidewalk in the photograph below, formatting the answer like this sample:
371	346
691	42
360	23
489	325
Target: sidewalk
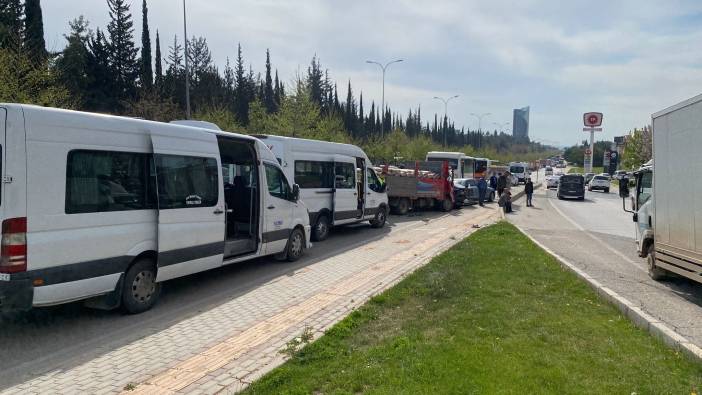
227	347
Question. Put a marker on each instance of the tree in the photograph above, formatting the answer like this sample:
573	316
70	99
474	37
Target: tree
11	24
123	53
638	148
199	58
314	81
23	81
99	96
269	100
34	44
72	65
242	95
159	65
146	75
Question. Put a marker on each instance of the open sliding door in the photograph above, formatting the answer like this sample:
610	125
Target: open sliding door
345	190
190	202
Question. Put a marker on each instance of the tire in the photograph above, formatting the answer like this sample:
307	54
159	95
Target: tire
606	190
446	205
296	245
559	196
320	231
140	291
654	271
380	218
403	206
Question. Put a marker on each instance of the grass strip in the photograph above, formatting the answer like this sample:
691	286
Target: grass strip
494	314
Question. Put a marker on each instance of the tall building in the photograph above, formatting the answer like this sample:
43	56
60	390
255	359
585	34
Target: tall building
520	123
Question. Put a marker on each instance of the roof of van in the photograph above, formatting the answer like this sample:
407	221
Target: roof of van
316	145
449	154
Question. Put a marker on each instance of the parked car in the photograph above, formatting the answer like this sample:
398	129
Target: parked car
571	186
599	182
588	177
619	174
552	181
549	170
472	194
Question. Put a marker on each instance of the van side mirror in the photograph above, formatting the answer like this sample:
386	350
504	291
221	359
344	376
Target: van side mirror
295	193
624	188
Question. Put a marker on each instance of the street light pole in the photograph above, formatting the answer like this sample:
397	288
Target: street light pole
480	119
382	67
445	111
187	66
501	126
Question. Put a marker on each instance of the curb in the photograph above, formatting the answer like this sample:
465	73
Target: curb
638	317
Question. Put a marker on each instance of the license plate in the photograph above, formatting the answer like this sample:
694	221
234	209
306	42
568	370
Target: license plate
4	277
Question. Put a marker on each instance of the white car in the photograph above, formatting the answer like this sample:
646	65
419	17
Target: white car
599	182
552	181
549	171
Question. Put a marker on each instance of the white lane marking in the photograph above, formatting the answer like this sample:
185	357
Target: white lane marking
597	239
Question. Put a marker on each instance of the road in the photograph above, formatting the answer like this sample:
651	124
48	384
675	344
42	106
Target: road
74	349
599	237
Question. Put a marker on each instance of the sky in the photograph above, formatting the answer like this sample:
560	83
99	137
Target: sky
624	58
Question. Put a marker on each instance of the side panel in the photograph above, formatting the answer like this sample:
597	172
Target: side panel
191	213
345	191
278	212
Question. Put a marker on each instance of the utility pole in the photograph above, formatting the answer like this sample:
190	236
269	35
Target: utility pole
445	112
480	119
187	66
382	67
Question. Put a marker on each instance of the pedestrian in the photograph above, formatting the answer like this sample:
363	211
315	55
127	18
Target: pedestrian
501	184
529	191
482	190
493	182
505	201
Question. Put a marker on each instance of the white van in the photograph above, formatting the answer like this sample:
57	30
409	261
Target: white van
106	208
520	171
337	182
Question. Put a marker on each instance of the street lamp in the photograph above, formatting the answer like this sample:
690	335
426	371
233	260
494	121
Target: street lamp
445	110
187	70
501	126
480	119
382	67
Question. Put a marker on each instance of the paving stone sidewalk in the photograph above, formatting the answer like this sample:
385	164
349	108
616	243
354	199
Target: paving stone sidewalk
224	349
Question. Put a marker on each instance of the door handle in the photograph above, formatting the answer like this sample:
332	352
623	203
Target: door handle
218	211
271	207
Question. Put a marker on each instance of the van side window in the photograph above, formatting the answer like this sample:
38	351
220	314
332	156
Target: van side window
186	181
277	184
98	181
311	174
345	175
374	182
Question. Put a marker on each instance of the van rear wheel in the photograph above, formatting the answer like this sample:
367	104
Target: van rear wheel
320	231
140	289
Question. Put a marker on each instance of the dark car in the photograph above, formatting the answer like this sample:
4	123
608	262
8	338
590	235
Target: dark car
471	190
571	186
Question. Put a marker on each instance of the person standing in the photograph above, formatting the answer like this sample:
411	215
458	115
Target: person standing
501	184
505	201
493	181
482	190
529	191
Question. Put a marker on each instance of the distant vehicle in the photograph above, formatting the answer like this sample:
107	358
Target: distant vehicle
337	182
552	181
571	186
667	210
588	177
462	165
520	170
619	174
419	184
471	185
600	183
549	170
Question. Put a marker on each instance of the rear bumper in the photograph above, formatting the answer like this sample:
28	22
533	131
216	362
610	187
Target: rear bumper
16	295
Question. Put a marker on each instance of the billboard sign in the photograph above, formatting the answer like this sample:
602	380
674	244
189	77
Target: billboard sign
592	119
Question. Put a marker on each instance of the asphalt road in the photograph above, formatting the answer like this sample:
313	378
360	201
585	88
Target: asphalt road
599	237
53	338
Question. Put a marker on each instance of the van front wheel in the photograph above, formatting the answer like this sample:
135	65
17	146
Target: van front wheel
296	245
140	289
380	217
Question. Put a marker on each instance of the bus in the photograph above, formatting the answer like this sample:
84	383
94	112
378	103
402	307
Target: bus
463	166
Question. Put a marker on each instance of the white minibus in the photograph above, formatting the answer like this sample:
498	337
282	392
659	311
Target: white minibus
520	171
463	166
104	209
337	182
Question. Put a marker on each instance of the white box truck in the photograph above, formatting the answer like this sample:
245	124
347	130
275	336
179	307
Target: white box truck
667	201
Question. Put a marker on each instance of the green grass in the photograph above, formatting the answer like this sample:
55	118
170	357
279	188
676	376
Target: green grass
494	314
580	170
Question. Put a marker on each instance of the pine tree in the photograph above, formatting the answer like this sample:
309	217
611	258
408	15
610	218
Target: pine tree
241	91
11	24
350	112
146	76
34	44
159	65
277	90
99	96
123	53
359	124
72	64
314	81
269	100
175	58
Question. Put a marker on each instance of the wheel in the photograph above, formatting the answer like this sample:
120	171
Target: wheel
295	246
446	205
654	271
559	196
492	197
403	206
606	190
320	231
139	288
380	218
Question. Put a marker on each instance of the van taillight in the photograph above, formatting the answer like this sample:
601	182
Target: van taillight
14	245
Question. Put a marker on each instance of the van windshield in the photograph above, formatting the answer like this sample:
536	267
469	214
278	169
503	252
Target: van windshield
516	169
574	180
452	162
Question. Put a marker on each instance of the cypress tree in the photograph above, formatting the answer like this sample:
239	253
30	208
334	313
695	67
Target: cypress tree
269	100
11	24
349	112
99	96
159	65
359	124
146	76
241	91
315	82
277	91
123	53
34	44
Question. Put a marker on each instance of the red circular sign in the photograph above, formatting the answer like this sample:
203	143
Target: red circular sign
592	119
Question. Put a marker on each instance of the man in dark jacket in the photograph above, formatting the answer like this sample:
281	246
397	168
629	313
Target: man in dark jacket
529	191
501	184
493	181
